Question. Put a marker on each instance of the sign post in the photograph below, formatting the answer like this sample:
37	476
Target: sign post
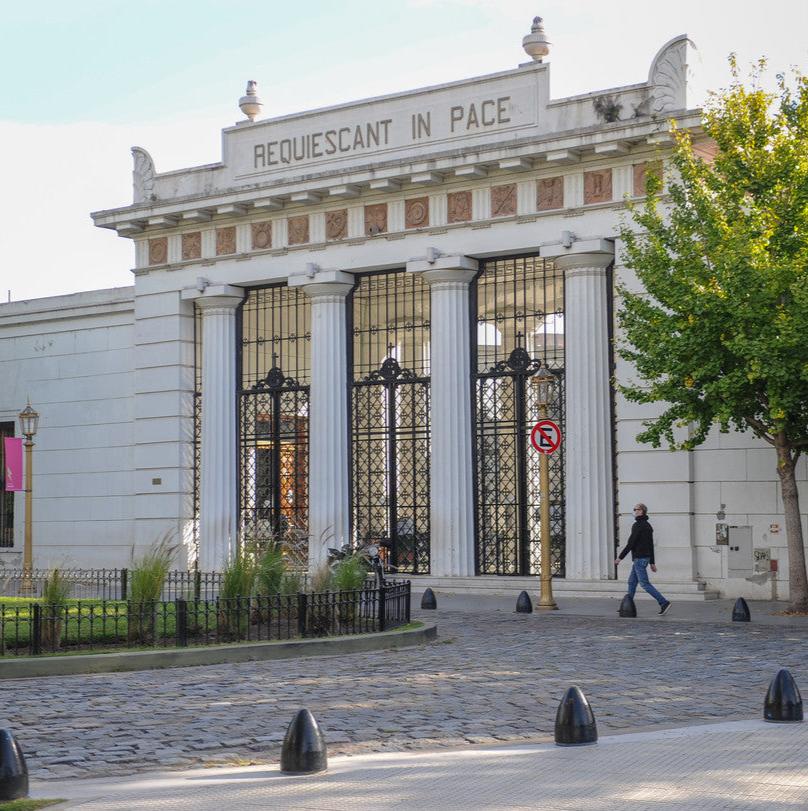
546	439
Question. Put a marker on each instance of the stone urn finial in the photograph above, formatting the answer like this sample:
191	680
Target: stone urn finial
536	44
250	103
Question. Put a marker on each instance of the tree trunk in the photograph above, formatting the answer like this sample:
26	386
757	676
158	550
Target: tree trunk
798	580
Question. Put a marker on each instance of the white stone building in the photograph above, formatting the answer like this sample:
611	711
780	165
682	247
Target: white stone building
334	333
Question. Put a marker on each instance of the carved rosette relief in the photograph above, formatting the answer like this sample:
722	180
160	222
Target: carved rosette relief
336	224
550	193
598	186
299	230
503	200
158	251
376	219
416	212
458	205
192	246
225	240
261	235
641	172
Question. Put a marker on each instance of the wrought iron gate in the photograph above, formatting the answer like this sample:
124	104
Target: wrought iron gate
273	420
390	419
520	327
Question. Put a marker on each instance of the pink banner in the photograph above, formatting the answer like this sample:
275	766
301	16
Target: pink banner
12	465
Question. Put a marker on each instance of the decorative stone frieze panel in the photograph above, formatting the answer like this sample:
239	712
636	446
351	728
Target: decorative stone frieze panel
191	246
336	224
459	206
550	193
416	212
158	251
226	240
299	230
376	219
262	235
598	186
641	172
503	200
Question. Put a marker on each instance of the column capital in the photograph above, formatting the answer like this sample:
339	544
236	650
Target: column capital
215	296
585	253
457	268
318	283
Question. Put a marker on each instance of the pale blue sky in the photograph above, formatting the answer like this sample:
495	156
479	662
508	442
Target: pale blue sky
82	81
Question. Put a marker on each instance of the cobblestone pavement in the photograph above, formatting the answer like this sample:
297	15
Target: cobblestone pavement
492	676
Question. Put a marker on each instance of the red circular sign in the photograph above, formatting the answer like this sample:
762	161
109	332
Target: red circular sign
546	436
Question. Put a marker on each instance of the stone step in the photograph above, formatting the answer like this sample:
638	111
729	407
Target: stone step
499	585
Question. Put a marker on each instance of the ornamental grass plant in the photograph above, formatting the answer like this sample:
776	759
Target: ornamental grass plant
147	575
55	594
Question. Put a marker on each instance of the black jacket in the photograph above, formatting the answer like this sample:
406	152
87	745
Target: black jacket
641	540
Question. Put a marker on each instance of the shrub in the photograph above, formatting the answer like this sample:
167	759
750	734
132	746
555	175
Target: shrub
350	573
147	575
270	570
238	580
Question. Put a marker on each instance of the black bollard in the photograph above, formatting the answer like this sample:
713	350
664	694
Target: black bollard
740	613
523	604
575	722
783	702
627	607
304	750
428	601
13	771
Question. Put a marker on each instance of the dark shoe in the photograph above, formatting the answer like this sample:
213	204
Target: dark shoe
664	607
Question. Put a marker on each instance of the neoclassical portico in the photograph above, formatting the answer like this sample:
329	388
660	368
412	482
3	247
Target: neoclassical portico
413	285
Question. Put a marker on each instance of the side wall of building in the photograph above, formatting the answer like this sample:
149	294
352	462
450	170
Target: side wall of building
72	356
730	479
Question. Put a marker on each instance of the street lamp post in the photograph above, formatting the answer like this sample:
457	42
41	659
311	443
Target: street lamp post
29	421
545	385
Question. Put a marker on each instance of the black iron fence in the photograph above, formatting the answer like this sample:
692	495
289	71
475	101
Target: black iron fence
32	629
111	584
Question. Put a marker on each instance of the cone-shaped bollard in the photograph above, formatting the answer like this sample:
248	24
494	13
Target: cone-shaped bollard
304	749
740	613
523	604
783	702
627	607
13	771
428	601
575	722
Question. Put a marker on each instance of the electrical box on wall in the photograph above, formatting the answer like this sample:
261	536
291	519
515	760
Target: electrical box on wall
740	561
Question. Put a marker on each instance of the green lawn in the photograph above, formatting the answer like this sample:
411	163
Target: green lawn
27	805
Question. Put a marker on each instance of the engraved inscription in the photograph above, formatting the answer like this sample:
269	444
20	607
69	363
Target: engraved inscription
376	219
225	240
416	212
503	200
641	172
299	230
459	206
336	224
192	245
550	193
261	235
598	186
158	251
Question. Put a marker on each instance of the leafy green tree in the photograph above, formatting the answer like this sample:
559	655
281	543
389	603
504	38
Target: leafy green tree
720	335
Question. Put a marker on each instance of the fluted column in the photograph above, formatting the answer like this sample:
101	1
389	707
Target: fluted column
329	460
588	435
451	475
218	503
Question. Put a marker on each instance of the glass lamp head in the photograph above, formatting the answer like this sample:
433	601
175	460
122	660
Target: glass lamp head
29	421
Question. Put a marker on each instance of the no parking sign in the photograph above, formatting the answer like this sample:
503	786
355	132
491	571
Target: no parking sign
546	436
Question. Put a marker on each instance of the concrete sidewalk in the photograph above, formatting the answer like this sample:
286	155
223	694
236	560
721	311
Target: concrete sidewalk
730	765
764	612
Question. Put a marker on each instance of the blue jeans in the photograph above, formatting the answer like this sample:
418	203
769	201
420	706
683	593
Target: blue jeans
639	574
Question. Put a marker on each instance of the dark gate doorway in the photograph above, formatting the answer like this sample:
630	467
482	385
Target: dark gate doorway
390	417
519	327
273	421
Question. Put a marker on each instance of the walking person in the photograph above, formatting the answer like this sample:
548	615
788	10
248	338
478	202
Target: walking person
641	546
